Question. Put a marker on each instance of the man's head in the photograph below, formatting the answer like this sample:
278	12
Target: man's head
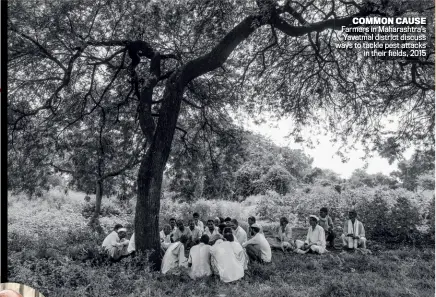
180	225
313	220
228	220
167	229
229	237
256	228
352	214
221	219
217	221
283	221
210	224
235	224
191	224
122	233
117	226
172	223
251	221
227	230
184	239
323	212
204	239
221	228
196	217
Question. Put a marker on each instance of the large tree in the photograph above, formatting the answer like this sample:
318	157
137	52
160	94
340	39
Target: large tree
264	55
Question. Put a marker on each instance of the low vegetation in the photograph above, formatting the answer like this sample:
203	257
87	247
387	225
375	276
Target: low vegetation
52	249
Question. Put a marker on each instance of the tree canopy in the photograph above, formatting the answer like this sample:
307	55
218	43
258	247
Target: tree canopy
164	65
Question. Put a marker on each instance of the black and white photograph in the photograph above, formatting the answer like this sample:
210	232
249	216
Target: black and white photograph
219	147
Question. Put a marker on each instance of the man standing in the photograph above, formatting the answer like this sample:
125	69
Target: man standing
354	234
199	259
238	232
315	239
326	222
198	223
116	244
258	248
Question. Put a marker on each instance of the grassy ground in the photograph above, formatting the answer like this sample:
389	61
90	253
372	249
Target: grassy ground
51	249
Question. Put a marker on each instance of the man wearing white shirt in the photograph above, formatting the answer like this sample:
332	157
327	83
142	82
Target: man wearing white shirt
199	259
238	232
165	237
258	248
115	244
196	233
197	221
315	239
211	230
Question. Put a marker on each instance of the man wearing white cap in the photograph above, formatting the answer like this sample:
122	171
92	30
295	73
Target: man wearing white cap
116	244
315	240
258	248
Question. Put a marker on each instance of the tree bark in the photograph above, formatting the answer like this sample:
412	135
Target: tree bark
151	173
94	222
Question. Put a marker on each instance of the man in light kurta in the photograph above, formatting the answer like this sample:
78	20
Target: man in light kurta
353	233
315	239
198	222
131	247
175	257
181	230
115	244
212	231
199	259
227	259
258	248
196	232
165	237
238	232
283	240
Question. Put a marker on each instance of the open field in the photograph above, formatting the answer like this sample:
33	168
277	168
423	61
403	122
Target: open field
51	249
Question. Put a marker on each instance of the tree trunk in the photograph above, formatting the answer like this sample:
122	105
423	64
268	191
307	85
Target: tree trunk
94	223
150	174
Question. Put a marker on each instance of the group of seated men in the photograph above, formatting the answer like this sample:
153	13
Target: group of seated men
224	248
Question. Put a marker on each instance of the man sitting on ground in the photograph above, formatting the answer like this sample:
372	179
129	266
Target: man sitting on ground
196	233
131	248
181	230
211	230
199	259
284	239
251	221
175	256
227	259
165	237
315	239
115	244
198	222
326	222
258	248
173	224
354	234
238	232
